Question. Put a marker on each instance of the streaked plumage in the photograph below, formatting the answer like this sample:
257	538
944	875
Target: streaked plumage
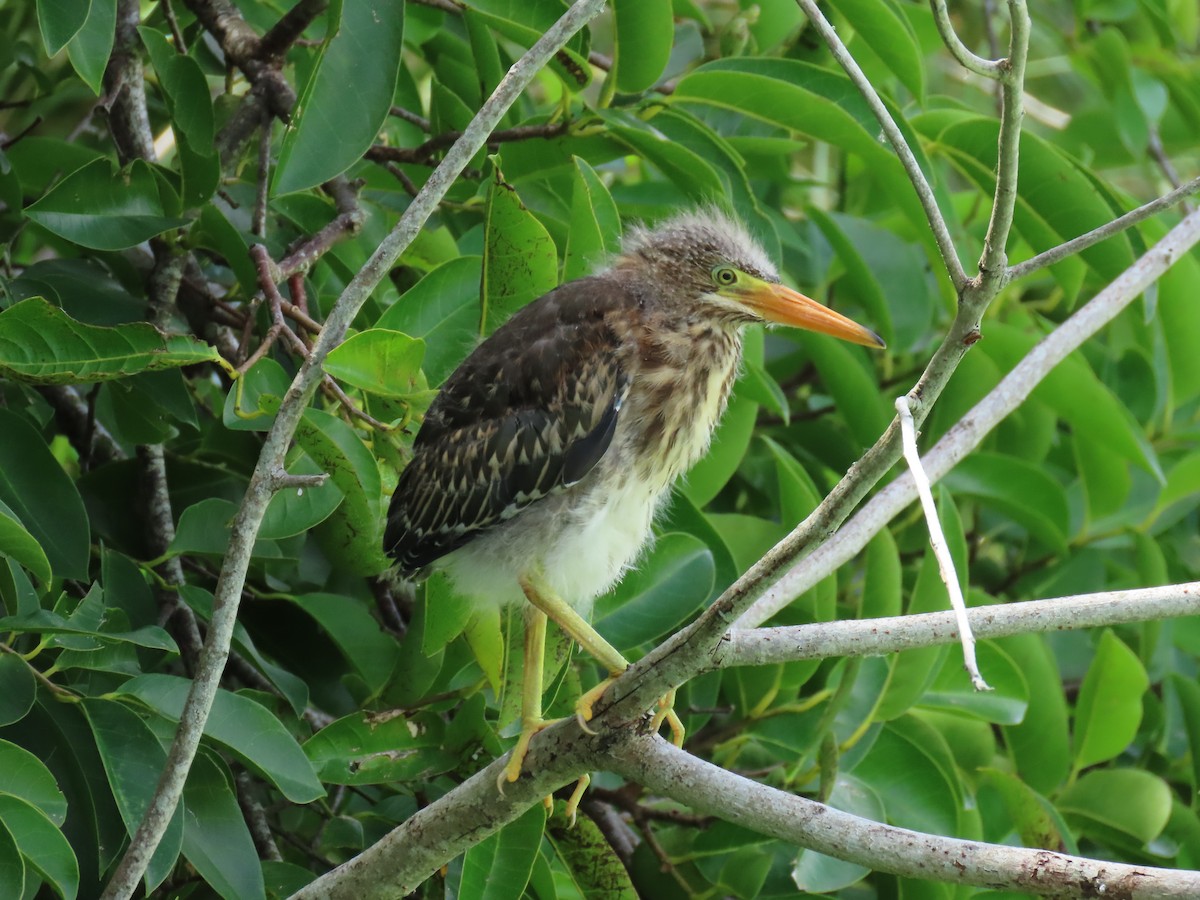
541	464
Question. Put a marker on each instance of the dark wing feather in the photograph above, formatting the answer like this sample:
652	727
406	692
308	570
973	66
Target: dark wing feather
529	413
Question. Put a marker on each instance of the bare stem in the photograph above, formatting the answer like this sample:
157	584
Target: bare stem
937	224
988	68
1096	235
666	769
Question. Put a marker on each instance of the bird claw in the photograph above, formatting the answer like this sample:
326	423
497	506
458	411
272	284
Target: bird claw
666	713
576	795
583	706
512	771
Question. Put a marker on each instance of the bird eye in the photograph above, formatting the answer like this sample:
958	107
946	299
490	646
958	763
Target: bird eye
724	276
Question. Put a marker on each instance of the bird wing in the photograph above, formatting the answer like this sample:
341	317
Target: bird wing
529	413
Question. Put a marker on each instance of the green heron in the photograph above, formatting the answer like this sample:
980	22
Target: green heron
539	468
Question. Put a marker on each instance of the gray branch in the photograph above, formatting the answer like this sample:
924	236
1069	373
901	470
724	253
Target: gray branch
988	68
874	637
258	494
937	223
664	768
963	437
1096	235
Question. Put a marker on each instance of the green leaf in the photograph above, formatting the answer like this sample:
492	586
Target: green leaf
910	767
854	389
372	652
811	100
205	527
35	488
18	688
378	361
60	20
353	535
644	33
447	613
519	260
1130	801
103	208
91	46
185	87
253	399
1019	490
12	865
23	775
443	310
883	580
245	727
886	30
42	844
1028	811
498	867
1005	704
215	837
594	867
368	748
595	224
20	546
332	127
667	587
133	759
1040	745
41	344
1109	708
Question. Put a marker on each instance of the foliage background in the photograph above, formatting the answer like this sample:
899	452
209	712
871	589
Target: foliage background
349	702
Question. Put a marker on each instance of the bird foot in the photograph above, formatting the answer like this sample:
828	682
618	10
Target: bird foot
583	706
666	713
512	771
576	795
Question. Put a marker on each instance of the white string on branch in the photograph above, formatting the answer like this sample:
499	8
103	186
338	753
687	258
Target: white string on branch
937	540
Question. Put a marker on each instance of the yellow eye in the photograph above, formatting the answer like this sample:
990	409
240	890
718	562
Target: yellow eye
725	276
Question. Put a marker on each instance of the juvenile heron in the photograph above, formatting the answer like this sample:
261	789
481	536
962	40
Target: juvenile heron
540	466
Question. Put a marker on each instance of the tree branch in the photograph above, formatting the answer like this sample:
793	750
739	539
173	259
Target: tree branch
937	224
665	768
874	637
249	517
1096	235
988	68
963	437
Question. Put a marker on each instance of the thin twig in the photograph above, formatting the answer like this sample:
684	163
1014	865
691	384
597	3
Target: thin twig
937	540
1096	235
988	68
425	153
937	223
279	39
411	117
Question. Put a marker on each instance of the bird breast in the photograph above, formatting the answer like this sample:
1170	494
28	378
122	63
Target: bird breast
679	392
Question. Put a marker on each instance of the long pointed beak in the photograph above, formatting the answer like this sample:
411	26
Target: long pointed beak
777	303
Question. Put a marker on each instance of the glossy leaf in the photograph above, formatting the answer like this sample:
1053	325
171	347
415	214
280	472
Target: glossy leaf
378	361
498	867
23	775
1131	801
355	530
442	309
215	837
887	32
35	488
365	748
1109	709
1019	490
243	726
17	688
43	846
519	260
371	651
332	127
133	759
105	209
595	223
60	20
41	344
21	546
90	46
644	32
673	582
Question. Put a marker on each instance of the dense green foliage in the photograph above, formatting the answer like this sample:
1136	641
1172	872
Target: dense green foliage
351	703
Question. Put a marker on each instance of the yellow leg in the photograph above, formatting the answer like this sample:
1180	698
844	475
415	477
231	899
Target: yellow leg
531	693
541	596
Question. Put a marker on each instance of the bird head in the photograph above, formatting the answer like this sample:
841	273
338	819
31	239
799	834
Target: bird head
705	262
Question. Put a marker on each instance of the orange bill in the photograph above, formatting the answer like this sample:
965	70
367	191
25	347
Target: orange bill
777	303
